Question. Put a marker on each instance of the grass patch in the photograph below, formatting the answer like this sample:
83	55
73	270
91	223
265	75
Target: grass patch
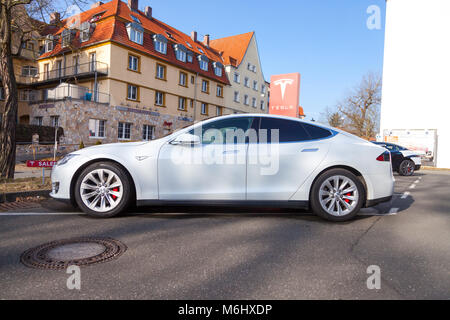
24	184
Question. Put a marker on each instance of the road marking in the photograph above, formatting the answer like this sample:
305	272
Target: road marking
413	186
41	214
405	195
417	181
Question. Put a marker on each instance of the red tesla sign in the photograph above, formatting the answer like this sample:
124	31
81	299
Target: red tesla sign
285	94
40	164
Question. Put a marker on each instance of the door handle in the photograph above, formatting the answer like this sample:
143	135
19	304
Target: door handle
311	150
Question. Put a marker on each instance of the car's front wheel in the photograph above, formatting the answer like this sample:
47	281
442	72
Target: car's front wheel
337	195
103	190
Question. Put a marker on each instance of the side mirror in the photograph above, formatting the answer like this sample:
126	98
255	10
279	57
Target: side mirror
186	139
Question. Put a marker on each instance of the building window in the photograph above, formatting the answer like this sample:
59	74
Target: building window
75	62
180	52
160	43
263	89
254	102
218	69
192	79
27	95
148	132
132	92
183	79
133	63
29	71
262	105
92	61
124	132
236	96
203	62
38	121
246	100
96	128
159	98
205	86
218	111
160	72
135	19
66	37
247	82
237	77
255	85
219	91
54	121
182	104
85	32
49	43
135	33
204	109
190	57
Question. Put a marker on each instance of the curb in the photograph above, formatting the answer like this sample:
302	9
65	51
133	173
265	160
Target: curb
11	197
434	168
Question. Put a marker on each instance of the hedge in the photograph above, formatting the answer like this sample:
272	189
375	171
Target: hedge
25	132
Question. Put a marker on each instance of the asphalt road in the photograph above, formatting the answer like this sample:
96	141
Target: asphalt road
218	253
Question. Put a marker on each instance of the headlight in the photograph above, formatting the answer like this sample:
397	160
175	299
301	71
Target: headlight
66	159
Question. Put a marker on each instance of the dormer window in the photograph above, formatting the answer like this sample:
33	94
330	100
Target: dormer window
66	37
200	49
97	17
135	32
49	43
160	43
85	31
218	69
190	57
203	62
180	52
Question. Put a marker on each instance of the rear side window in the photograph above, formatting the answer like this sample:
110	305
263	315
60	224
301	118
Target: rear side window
289	131
316	132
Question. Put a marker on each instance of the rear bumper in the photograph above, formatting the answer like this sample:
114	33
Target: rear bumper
374	202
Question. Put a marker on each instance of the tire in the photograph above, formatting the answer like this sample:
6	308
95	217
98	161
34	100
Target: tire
108	200
406	168
325	202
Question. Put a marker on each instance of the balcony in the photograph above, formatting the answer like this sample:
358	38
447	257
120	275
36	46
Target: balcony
62	92
80	71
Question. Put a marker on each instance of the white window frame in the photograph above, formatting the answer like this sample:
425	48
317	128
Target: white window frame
254	102
237	77
204	109
181	55
182	104
99	127
148	132
247	82
160	68
29	71
246	100
219	91
160	46
54	121
122	132
255	85
133	63
132	90
183	76
203	65
263	105
205	86
237	97
135	35
159	98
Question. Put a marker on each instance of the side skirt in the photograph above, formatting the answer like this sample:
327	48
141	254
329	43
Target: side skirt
226	203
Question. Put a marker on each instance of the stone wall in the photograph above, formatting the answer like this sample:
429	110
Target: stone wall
75	114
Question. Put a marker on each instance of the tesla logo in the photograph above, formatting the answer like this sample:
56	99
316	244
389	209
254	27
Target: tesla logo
283	83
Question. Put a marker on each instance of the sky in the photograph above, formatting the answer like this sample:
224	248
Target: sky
326	41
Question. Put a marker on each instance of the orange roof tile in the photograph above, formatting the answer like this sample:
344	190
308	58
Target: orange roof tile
233	48
114	29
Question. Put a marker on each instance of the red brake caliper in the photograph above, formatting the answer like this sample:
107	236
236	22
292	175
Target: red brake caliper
348	195
115	190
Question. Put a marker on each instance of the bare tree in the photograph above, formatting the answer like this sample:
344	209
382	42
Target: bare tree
361	107
20	21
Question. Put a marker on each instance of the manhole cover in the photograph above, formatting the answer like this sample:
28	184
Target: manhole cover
59	255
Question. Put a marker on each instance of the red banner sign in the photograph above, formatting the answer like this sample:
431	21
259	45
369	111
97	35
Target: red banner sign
285	94
40	164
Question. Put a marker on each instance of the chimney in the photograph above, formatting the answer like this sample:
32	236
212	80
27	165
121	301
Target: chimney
194	36
133	4
148	12
55	17
206	40
97	4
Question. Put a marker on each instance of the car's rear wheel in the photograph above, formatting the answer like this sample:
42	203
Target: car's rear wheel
407	168
103	190
337	195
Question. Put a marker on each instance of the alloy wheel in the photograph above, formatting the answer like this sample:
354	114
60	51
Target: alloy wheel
338	196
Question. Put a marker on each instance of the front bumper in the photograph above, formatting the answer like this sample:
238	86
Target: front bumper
62	177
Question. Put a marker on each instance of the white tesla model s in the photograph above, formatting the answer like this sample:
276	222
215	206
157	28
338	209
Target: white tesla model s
239	160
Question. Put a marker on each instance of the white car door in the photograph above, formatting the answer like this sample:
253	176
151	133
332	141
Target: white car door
209	170
278	166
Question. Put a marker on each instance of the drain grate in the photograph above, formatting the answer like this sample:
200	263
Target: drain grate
58	255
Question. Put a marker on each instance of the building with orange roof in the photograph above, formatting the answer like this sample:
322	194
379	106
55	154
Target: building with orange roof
117	73
248	91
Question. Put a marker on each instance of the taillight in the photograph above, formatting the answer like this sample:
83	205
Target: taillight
385	157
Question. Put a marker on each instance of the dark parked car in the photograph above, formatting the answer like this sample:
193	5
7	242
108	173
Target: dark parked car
404	161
